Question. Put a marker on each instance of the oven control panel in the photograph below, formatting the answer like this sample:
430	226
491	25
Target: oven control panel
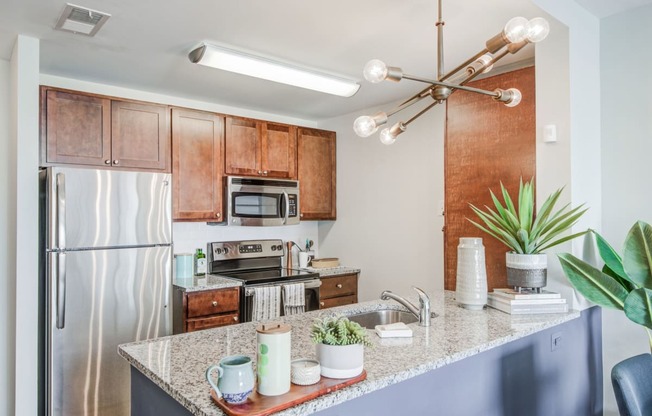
231	250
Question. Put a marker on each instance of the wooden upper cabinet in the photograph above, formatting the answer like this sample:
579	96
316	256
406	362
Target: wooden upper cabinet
259	148
279	151
140	135
88	129
197	149
75	128
317	179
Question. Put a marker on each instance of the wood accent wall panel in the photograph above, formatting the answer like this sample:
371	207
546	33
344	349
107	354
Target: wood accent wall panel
486	143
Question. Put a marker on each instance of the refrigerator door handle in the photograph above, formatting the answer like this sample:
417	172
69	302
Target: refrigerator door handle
61	210
61	289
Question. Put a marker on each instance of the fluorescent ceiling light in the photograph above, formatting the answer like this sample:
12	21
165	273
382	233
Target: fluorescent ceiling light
261	67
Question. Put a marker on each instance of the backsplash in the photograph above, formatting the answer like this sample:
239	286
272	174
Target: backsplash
188	236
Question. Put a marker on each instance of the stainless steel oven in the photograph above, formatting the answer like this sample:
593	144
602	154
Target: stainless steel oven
258	263
262	202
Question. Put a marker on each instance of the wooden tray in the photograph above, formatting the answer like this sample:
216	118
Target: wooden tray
259	405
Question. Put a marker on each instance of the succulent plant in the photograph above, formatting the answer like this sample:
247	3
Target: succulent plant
338	330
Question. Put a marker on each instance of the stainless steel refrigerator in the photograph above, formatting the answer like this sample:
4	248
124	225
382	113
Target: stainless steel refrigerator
105	276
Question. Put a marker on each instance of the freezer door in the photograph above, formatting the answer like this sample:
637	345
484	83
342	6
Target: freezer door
104	208
111	297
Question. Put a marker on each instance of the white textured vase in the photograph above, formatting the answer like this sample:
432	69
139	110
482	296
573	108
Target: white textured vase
471	282
340	361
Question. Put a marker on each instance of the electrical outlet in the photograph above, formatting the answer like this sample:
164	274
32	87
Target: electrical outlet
555	341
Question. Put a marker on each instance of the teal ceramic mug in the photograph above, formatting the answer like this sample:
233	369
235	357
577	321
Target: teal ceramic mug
235	378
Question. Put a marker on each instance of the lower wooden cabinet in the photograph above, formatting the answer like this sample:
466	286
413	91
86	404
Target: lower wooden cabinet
194	311
338	290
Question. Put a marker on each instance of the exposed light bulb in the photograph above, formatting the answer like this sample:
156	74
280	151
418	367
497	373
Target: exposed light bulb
386	137
375	71
515	97
537	29
516	29
484	60
364	126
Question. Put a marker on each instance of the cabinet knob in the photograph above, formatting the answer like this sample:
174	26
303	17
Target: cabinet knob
116	162
218	215
214	303
107	162
235	318
301	215
339	285
265	173
260	172
321	303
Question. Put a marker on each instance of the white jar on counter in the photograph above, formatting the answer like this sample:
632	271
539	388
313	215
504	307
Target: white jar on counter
471	282
273	367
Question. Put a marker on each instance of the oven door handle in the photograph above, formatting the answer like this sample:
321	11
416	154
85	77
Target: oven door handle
308	284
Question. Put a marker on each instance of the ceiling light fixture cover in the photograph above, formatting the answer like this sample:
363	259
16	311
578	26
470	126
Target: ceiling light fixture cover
516	34
81	20
272	70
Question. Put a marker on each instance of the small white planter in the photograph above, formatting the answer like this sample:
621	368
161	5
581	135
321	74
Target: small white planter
527	270
340	361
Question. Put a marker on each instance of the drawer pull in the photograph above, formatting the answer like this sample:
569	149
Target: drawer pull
321	303
214	303
339	285
235	318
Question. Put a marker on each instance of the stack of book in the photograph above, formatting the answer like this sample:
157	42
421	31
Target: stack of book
526	301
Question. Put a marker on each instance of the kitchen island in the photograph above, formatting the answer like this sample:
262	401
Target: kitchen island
468	362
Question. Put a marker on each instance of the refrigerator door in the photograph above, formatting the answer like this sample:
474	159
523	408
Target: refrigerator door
111	297
91	208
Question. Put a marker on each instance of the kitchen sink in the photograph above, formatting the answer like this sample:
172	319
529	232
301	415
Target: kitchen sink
383	317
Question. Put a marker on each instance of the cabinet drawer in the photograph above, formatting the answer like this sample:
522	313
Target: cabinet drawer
211	322
212	302
342	300
338	286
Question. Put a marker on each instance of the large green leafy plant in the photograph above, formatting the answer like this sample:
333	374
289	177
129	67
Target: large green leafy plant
623	283
523	230
338	331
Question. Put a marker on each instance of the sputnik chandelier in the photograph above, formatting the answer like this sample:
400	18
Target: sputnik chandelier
517	33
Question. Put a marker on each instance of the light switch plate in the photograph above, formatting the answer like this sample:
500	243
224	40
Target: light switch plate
550	133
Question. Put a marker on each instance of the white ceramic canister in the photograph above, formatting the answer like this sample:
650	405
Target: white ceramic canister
273	367
471	283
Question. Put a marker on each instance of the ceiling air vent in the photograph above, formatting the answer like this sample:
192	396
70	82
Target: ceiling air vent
81	20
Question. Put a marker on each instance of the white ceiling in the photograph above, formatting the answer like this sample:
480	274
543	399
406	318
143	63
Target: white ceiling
144	45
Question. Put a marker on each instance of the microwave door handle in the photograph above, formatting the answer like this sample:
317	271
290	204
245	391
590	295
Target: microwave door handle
286	202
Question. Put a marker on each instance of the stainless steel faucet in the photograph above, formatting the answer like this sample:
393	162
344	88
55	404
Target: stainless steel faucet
423	312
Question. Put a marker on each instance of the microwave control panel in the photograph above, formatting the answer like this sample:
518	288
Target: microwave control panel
292	202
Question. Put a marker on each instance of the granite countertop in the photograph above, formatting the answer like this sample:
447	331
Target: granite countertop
205	282
177	363
333	271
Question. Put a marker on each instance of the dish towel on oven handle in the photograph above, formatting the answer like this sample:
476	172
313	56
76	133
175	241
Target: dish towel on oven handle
294	298
266	303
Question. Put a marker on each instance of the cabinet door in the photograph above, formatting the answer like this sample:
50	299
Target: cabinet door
75	128
279	151
316	167
197	140
140	136
242	147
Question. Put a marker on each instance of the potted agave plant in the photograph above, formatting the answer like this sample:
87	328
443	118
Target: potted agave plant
526	233
340	346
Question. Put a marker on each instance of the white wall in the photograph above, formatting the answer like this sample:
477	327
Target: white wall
626	166
24	198
8	252
388	197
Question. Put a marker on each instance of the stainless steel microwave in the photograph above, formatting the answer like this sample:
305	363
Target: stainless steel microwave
262	202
